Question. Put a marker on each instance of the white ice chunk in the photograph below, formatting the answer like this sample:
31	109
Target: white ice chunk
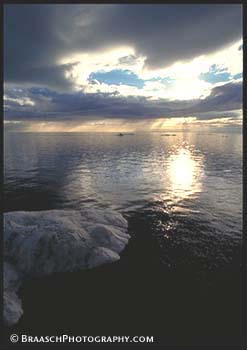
43	242
12	303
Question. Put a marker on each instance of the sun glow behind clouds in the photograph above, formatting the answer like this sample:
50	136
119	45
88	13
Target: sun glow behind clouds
181	81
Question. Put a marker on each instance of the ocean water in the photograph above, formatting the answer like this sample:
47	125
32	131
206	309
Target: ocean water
183	189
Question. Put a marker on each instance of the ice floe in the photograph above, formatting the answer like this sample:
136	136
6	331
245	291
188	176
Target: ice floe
44	242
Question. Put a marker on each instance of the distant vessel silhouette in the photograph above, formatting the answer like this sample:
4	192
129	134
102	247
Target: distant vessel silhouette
168	134
120	134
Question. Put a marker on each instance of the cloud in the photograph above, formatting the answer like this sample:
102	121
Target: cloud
166	33
37	37
93	63
222	98
54	106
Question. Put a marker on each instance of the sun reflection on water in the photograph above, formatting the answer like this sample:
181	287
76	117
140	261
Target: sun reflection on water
185	171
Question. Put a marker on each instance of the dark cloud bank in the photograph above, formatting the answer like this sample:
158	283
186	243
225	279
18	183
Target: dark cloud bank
50	105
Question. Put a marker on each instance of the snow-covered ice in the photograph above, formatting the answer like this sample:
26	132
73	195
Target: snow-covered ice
12	310
43	242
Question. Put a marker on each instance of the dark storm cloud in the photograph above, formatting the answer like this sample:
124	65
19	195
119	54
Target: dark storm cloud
54	106
33	42
37	36
167	33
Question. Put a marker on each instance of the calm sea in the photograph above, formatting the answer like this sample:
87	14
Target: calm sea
182	189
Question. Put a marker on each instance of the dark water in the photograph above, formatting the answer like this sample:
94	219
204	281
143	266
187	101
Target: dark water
185	190
180	273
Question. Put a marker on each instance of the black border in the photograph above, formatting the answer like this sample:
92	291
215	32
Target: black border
244	204
244	144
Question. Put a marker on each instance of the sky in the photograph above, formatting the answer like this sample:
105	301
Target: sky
122	67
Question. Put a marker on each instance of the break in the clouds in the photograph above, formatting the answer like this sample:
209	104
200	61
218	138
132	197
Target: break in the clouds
83	63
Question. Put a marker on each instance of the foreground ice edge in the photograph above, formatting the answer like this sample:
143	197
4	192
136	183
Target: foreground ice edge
43	242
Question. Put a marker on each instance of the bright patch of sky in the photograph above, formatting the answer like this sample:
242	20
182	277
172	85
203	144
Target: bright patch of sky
238	76
215	75
121	71
117	77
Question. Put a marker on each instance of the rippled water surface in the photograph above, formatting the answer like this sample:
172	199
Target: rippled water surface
183	189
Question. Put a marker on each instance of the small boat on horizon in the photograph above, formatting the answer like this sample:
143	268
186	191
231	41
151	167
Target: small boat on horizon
168	134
